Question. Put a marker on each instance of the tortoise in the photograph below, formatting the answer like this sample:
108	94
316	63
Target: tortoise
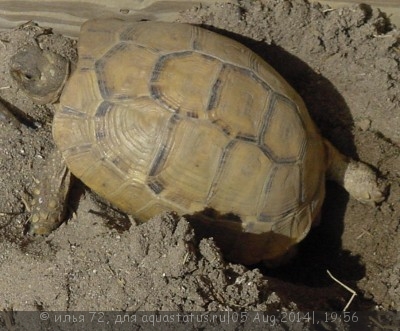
163	117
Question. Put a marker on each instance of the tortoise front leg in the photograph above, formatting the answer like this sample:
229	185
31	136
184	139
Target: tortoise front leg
48	206
356	177
50	196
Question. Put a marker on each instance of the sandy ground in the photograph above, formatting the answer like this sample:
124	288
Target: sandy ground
344	63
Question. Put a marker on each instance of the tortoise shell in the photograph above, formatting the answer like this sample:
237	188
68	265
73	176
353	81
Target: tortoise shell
172	117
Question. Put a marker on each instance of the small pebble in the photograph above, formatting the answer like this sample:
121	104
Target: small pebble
364	124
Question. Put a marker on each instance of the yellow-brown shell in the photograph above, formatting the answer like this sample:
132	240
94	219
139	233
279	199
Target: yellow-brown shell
171	117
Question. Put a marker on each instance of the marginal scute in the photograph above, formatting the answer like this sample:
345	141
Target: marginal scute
296	225
158	36
314	172
97	36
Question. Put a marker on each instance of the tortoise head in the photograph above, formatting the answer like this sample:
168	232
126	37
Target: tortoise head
39	73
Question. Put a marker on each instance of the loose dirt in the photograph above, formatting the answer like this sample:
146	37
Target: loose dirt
343	62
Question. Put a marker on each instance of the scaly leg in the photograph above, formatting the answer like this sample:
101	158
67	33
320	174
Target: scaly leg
48	206
356	177
50	196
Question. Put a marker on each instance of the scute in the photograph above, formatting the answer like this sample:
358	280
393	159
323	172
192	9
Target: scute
123	71
240	111
165	116
295	225
283	191
178	75
197	152
166	38
250	169
96	38
284	135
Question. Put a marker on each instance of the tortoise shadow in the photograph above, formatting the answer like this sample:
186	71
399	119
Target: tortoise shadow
322	249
